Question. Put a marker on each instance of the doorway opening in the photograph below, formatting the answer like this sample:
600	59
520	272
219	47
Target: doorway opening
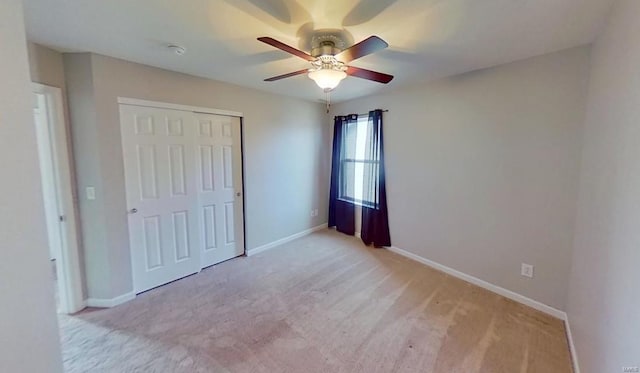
53	154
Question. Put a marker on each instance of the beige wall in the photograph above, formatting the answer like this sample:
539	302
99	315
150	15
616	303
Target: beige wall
28	327
604	293
482	170
46	65
84	137
286	144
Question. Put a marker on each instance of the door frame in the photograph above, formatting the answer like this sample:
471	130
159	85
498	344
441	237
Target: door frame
68	263
203	110
167	105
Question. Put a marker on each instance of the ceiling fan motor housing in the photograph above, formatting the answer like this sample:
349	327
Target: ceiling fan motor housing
325	48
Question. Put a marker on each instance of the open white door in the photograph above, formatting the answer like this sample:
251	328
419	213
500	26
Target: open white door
55	168
184	191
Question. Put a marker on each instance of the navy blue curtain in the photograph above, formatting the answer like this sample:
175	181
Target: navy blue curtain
375	219
341	213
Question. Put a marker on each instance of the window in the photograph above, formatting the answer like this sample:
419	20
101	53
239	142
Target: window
359	166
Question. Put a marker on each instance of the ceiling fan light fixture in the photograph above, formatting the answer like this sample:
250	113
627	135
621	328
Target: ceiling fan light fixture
327	79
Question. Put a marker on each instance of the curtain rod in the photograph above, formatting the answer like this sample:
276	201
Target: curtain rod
362	115
384	111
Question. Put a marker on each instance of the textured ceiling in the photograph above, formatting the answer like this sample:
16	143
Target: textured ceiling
428	39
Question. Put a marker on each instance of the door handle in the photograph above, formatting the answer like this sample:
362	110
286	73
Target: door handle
133	210
237	194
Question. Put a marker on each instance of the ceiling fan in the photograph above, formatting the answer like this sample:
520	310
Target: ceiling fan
329	62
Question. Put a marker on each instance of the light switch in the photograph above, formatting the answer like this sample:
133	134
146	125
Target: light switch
91	193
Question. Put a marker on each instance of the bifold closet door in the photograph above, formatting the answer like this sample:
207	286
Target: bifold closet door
162	197
218	140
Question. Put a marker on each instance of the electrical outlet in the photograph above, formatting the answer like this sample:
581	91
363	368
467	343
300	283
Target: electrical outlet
315	212
526	270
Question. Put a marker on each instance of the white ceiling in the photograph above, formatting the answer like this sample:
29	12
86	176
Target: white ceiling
428	39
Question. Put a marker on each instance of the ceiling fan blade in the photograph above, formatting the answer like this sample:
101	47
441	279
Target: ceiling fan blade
299	72
367	46
282	46
369	75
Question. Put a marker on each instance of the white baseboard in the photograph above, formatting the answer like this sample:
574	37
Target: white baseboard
108	303
501	291
281	241
572	347
483	284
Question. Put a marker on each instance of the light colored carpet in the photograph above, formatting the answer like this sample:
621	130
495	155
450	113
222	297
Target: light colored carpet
323	303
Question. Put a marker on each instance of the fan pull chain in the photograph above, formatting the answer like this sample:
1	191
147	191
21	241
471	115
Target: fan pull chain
328	99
